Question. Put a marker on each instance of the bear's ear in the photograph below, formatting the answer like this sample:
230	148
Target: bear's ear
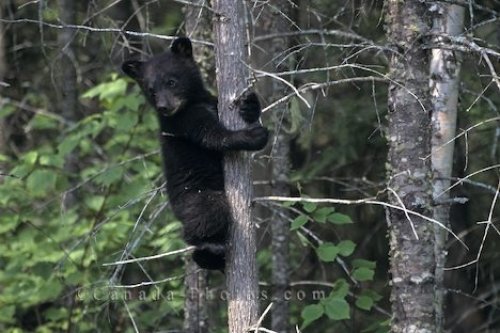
182	46
133	68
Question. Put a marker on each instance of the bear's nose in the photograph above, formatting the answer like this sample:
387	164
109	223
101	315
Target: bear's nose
163	110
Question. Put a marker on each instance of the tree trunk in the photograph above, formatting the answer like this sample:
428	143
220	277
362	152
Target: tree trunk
409	182
444	70
241	270
65	73
195	302
66	69
3	69
198	26
274	20
280	232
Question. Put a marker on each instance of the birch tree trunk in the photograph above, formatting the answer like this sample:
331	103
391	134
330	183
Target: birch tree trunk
409	176
198	26
241	270
444	80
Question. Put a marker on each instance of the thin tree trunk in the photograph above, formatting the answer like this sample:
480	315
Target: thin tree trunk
274	20
65	73
444	70
241	270
412	260
66	69
280	234
3	69
198	26
195	302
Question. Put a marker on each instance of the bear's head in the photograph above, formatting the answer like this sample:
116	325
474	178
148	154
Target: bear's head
169	80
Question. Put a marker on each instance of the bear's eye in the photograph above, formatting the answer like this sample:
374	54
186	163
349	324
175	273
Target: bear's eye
151	92
171	83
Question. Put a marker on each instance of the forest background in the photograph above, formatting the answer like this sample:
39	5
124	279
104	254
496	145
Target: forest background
359	217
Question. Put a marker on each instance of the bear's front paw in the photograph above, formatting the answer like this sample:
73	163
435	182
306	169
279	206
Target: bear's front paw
258	137
249	107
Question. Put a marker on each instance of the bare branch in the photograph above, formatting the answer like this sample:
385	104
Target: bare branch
102	30
370	201
156	256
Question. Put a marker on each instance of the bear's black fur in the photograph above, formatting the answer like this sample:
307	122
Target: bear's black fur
193	142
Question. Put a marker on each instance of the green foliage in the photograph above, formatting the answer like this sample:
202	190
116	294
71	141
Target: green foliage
59	227
310	313
338	305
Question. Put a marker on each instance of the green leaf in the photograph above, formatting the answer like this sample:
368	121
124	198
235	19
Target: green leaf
311	313
337	309
126	121
107	90
21	171
378	327
54	314
340	289
8	223
298	222
49	289
7	314
95	202
364	303
363	274
6	110
372	294
30	158
321	214
43	122
110	176
68	144
338	218
327	252
356	263
309	206
130	102
346	248
40	181
52	160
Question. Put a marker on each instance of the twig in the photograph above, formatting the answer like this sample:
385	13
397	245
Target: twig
316	86
156	256
257	327
93	29
149	283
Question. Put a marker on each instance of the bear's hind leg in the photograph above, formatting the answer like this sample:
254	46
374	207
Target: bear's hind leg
206	218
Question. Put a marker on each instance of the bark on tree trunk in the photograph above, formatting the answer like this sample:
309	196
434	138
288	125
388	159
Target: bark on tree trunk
241	270
3	69
198	26
444	81
67	79
409	176
65	73
195	302
280	235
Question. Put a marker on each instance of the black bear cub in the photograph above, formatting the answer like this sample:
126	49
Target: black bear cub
193	142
